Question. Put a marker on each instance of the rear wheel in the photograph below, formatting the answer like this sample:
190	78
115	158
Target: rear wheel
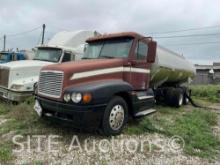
174	97
186	95
115	116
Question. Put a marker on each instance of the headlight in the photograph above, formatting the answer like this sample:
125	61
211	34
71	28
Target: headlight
76	97
17	87
66	97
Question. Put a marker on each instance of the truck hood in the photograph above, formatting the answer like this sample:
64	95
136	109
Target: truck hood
85	65
88	70
24	64
23	73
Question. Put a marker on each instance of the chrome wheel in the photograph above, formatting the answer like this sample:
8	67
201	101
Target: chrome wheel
181	100
116	118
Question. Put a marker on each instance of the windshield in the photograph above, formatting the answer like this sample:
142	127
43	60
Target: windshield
3	56
117	48
51	55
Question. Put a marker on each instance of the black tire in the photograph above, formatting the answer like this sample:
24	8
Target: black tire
174	97
106	126
178	98
169	96
186	95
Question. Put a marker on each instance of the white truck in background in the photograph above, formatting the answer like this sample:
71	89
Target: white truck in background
17	78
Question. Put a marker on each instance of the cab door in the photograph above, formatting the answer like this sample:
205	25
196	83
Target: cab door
140	69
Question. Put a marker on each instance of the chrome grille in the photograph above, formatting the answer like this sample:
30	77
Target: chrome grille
50	83
4	77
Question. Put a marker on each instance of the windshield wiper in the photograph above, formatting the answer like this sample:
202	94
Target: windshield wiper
106	57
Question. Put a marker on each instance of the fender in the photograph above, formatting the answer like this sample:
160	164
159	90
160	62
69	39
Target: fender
23	84
101	91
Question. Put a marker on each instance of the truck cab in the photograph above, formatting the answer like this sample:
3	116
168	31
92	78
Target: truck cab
17	78
54	54
111	83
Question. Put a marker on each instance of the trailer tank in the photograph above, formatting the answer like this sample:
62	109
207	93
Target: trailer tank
170	68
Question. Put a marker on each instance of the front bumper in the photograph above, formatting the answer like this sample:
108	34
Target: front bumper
78	116
6	94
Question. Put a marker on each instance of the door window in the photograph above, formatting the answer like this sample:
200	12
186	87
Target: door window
66	57
142	50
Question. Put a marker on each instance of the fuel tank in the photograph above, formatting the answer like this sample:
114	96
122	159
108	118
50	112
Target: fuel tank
170	68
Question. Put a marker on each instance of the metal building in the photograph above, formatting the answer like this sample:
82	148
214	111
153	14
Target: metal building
207	74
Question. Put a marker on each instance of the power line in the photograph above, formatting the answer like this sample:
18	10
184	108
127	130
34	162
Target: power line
40	36
24	32
191	35
185	30
195	43
59	28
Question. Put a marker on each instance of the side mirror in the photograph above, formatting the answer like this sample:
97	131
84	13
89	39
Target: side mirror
151	53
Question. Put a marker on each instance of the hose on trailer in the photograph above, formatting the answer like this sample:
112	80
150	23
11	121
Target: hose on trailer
193	103
197	105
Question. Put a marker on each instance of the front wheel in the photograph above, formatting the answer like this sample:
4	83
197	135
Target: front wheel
115	116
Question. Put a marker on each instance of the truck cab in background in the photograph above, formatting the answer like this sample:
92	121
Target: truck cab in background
17	78
122	75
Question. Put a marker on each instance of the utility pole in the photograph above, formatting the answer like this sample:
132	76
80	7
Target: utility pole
44	26
4	44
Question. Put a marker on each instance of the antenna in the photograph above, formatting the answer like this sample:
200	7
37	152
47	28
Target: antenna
4	44
44	26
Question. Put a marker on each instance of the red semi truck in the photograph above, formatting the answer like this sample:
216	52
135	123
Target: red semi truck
121	75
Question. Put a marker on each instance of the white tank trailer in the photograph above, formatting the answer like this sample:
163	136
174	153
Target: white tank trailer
171	73
170	68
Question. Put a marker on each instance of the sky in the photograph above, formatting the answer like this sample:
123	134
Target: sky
150	18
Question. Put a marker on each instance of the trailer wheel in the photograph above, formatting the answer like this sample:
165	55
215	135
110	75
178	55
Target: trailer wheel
186	95
178	97
174	97
115	116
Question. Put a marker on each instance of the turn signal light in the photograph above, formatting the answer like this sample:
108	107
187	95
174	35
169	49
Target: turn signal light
87	97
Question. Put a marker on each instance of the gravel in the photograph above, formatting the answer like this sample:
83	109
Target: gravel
158	149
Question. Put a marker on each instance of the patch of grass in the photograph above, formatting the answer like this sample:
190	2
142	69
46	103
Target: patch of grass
5	152
194	126
206	92
22	112
196	130
38	162
103	162
155	122
5	108
20	118
141	126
